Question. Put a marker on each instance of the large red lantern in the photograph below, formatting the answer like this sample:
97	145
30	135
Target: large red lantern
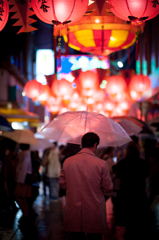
59	11
115	85
33	89
62	88
135	11
140	84
4	13
99	35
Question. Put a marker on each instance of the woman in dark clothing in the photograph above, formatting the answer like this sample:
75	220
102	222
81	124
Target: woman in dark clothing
131	200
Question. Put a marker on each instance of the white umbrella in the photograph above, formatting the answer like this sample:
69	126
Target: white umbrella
43	143
69	127
21	136
130	127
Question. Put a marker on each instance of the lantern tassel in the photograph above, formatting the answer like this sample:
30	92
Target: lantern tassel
59	53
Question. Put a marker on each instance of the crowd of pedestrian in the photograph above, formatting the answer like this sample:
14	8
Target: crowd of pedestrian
128	176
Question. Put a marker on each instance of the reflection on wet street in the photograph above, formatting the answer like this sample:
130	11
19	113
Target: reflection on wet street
47	223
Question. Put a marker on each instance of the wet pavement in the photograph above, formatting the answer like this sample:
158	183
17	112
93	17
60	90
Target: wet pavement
48	224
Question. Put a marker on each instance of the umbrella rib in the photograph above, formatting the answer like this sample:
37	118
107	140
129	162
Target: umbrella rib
85	123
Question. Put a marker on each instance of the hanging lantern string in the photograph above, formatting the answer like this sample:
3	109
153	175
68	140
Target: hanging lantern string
59	25
59	51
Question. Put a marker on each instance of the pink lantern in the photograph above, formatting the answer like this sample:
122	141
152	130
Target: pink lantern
140	84
88	80
115	85
62	88
108	105
45	95
33	89
4	7
135	11
125	105
59	11
99	95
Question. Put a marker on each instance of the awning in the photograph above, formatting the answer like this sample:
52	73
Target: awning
20	115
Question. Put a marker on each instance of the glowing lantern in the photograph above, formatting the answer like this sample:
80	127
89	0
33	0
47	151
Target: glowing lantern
98	107
125	105
45	95
73	106
88	80
140	84
108	105
136	11
33	89
4	13
59	11
115	85
62	88
111	34
52	100
99	95
53	108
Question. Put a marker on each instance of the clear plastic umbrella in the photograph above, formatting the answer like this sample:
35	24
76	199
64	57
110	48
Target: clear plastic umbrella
69	127
130	127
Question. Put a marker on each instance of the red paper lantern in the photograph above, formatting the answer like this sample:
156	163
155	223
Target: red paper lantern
140	84
59	11
4	13
33	89
45	95
125	105
109	105
88	80
62	88
115	85
135	11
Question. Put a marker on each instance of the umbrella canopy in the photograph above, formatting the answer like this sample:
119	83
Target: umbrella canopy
154	124
21	136
5	125
130	127
43	143
71	126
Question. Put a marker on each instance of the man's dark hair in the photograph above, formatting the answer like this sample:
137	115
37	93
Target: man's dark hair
89	139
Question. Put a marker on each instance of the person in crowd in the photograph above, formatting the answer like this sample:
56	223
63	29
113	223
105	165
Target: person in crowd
153	175
23	191
108	156
45	179
61	155
36	163
10	163
131	200
53	171
86	179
